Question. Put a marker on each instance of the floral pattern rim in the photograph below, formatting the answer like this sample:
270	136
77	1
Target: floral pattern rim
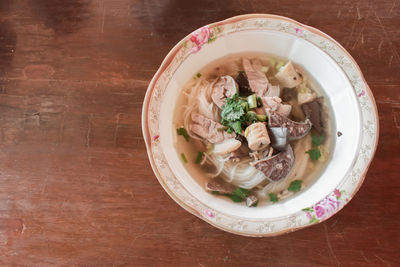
308	216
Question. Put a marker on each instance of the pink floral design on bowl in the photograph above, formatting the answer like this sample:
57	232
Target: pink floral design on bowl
200	37
326	207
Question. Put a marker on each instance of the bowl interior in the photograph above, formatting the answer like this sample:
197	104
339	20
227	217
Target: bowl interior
322	68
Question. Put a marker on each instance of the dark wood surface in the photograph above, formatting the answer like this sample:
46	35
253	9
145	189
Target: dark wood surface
76	187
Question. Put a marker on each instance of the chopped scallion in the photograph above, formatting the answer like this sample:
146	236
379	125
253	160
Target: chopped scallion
252	100
182	131
184	158
199	158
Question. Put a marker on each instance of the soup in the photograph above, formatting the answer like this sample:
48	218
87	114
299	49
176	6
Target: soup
253	128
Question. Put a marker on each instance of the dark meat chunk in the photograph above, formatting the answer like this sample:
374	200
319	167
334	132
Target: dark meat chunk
296	130
312	110
243	83
220	186
276	167
251	200
288	94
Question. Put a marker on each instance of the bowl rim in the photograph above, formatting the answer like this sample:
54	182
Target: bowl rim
303	28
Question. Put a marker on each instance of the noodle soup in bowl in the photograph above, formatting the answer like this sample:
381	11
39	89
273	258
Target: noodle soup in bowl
329	164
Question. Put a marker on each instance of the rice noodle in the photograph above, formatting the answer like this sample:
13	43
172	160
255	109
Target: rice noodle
199	100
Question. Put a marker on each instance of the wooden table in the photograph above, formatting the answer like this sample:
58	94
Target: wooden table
76	187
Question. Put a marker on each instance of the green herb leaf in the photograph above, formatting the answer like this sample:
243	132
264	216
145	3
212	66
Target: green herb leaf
236	126
199	158
295	186
317	140
235	198
273	197
239	194
198	75
184	158
314	153
182	131
233	113
215	192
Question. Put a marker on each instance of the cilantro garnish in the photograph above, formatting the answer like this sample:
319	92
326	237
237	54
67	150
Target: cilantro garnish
317	140
198	75
239	194
314	153
233	113
273	197
295	186
182	131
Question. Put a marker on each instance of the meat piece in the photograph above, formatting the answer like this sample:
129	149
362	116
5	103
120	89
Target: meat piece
303	98
243	151
204	101
243	83
280	137
258	82
257	136
273	90
220	186
209	129
251	200
288	76
288	94
312	110
276	167
223	88
296	130
275	104
226	146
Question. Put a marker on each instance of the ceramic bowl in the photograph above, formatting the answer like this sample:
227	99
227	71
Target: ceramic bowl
354	112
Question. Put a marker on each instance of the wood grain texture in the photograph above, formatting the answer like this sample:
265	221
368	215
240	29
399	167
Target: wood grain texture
76	187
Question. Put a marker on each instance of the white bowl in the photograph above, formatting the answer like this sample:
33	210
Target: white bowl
354	115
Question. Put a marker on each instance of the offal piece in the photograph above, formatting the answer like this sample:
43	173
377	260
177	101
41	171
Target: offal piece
288	76
296	130
220	186
275	104
257	136
209	129
243	83
225	87
276	167
312	110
